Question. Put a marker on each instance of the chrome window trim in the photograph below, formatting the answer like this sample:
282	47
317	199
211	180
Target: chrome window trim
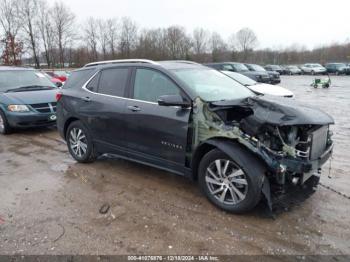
121	97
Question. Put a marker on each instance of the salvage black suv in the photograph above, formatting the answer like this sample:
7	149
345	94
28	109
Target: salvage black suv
195	121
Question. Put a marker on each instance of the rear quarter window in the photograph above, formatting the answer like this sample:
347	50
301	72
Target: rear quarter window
78	78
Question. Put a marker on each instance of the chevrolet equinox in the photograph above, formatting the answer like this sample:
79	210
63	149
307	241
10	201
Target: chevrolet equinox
195	121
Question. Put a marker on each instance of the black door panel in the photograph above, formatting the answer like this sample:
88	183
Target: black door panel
153	131
103	115
158	131
102	107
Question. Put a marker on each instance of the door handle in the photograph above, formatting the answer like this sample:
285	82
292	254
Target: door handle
86	99
134	108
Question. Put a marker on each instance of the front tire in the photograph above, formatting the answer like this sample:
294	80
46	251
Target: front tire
231	184
4	125
79	142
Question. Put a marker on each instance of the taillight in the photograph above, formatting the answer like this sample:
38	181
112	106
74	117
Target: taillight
58	96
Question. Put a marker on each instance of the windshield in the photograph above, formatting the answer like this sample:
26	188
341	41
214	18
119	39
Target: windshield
242	79
240	67
257	68
18	78
211	85
292	67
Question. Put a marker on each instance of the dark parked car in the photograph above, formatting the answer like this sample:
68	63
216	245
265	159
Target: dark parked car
274	76
27	99
195	121
262	76
275	68
338	68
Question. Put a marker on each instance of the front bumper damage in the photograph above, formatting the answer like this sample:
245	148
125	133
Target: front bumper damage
287	172
291	180
305	166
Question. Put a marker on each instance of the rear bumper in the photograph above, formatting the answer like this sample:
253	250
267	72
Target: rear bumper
263	79
30	119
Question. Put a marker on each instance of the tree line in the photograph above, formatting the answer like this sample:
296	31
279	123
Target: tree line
48	35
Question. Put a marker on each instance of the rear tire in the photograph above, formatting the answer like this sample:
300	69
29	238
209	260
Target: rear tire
236	187
79	142
5	128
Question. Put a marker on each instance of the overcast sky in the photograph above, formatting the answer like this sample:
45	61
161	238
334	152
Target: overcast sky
277	24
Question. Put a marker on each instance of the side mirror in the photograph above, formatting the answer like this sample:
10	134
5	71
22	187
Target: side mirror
173	100
59	84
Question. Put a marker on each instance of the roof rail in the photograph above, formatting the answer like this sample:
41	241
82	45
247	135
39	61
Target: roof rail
120	61
181	61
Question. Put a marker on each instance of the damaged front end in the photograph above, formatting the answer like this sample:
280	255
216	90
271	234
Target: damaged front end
293	140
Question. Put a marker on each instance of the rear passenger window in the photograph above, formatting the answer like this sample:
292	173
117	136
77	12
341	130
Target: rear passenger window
150	85
113	81
78	78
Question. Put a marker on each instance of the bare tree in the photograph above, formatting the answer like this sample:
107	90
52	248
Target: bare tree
231	46
112	33
28	14
91	37
11	24
200	41
128	37
103	36
44	24
246	41
63	22
178	43
49	32
152	44
218	47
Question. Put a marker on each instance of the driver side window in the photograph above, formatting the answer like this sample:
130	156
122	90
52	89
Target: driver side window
150	85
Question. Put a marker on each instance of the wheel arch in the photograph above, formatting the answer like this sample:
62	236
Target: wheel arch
234	149
227	146
67	123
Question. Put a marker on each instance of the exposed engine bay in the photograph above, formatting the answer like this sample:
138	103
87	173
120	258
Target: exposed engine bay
293	140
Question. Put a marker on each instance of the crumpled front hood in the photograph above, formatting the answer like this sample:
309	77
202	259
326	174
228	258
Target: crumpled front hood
31	97
277	111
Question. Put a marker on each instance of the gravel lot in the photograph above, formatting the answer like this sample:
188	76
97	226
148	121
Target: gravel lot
50	204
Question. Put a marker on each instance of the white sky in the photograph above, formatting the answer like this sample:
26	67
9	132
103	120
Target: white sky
277	24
